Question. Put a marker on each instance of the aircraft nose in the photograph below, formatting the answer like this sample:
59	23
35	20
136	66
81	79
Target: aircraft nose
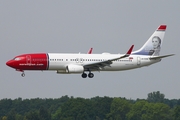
10	63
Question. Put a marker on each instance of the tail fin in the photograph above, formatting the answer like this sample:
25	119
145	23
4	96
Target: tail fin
153	45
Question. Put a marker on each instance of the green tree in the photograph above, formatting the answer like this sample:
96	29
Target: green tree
156	111
5	106
4	118
57	114
155	97
19	117
101	106
32	115
137	110
119	108
44	114
142	110
12	115
97	108
176	113
77	109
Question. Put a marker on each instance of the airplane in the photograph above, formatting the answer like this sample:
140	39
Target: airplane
72	63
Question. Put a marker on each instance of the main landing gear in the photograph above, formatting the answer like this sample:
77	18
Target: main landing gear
90	75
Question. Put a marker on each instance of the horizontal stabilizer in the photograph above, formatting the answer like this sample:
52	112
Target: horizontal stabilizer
159	57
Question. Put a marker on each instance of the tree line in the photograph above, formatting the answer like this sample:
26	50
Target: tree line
155	107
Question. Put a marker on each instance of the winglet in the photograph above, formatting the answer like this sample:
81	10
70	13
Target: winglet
90	51
128	53
130	50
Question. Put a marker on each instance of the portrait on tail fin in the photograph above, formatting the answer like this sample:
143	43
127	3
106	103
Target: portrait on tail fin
156	44
153	45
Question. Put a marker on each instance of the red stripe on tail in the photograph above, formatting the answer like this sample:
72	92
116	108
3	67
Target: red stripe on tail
162	27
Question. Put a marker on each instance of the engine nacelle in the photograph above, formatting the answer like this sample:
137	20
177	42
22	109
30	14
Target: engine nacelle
75	69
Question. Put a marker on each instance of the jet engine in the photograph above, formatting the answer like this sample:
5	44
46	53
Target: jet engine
75	69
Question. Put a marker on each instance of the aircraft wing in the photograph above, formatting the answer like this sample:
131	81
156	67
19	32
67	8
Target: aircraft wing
100	65
159	57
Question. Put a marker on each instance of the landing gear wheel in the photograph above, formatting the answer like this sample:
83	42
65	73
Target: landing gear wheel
23	74
84	75
90	75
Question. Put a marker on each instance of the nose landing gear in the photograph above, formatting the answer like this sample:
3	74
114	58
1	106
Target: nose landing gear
22	74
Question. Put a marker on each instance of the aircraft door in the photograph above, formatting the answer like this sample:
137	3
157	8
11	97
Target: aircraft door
28	59
138	61
79	60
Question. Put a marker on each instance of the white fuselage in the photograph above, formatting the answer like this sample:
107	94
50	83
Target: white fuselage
60	61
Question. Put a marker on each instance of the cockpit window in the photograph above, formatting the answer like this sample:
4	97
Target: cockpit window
17	58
